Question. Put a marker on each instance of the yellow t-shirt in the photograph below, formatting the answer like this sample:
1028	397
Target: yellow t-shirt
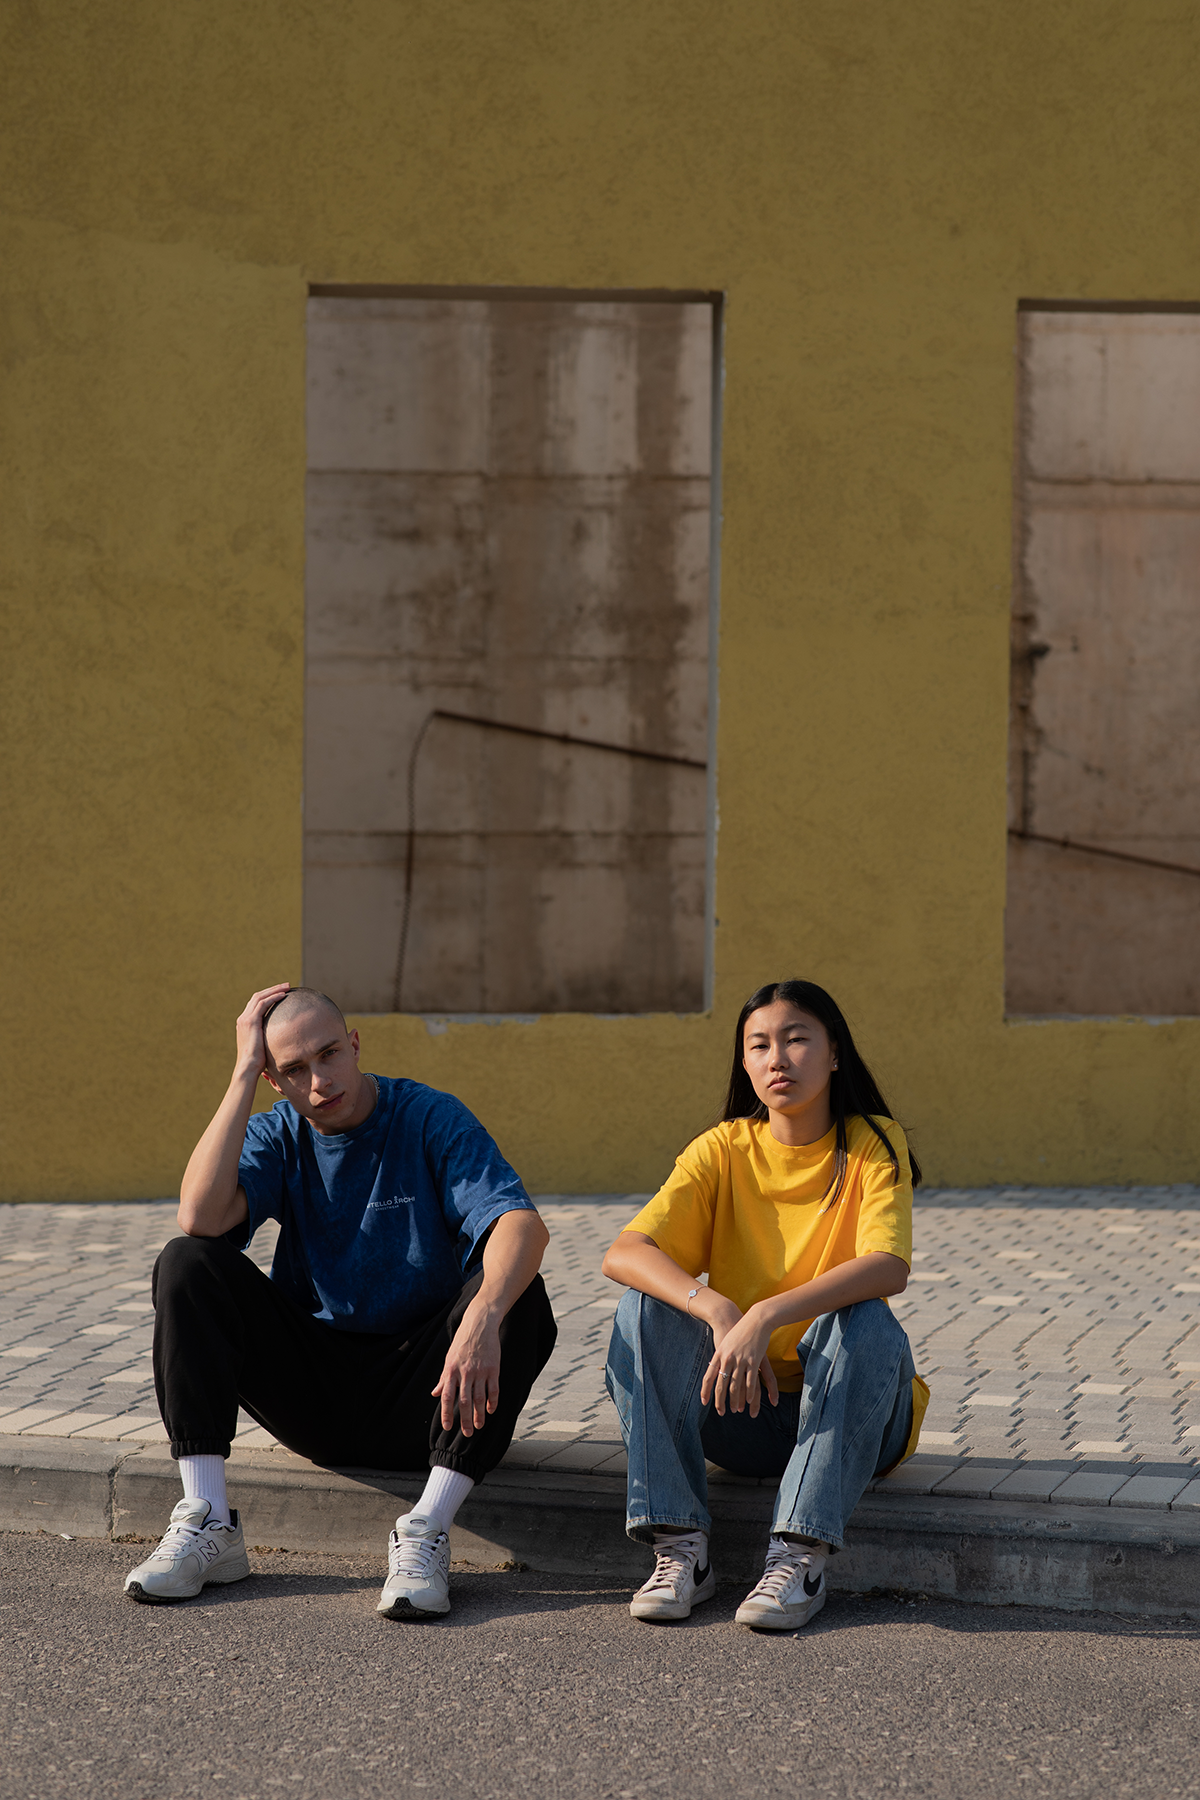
754	1213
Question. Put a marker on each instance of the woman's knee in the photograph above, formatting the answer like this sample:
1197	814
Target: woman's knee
642	1316
872	1321
868	1326
872	1314
628	1314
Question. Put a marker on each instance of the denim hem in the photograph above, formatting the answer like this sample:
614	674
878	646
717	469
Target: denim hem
199	1447
642	1530
805	1528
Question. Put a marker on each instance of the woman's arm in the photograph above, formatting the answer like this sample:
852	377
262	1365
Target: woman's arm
636	1261
867	1277
732	1375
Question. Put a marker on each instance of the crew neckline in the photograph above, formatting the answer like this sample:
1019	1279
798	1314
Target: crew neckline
819	1147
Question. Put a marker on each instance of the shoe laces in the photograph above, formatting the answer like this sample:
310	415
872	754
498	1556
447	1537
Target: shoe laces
413	1555
178	1536
674	1558
785	1564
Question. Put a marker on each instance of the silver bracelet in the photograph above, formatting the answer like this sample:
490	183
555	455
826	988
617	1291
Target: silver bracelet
690	1298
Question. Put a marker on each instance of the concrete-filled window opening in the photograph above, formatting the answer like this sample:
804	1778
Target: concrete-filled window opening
1103	911
509	602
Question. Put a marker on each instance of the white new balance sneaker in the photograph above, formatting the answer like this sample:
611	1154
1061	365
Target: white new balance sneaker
418	1583
682	1577
194	1551
792	1589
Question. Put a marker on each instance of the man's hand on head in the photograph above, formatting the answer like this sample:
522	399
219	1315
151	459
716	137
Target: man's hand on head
470	1378
212	1200
251	1039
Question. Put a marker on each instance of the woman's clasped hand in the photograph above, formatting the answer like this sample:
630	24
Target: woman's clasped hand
740	1368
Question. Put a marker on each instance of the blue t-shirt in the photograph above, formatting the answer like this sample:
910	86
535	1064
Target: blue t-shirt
379	1225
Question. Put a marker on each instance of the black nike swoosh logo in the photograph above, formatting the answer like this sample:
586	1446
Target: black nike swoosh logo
812	1588
700	1577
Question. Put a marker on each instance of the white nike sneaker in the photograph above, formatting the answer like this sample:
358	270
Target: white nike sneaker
194	1551
682	1577
418	1583
792	1589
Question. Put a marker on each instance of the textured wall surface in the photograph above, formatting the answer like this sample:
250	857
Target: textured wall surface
874	189
1105	744
508	518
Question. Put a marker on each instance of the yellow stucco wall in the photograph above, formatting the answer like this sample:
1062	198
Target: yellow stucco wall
873	187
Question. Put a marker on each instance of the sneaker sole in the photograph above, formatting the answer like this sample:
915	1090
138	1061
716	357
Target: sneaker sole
803	1615
136	1591
409	1614
669	1612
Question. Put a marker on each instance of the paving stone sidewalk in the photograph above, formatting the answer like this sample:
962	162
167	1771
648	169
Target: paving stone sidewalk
1057	1329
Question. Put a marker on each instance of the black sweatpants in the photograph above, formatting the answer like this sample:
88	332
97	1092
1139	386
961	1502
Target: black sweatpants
224	1334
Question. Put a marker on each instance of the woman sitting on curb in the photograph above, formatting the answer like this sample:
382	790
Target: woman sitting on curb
799	1206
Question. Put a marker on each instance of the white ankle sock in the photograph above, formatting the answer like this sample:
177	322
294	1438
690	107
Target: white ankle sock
444	1493
799	1547
203	1478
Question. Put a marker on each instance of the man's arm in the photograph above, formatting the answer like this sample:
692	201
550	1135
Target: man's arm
210	1200
470	1378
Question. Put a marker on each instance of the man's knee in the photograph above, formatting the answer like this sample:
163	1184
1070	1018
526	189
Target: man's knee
184	1259
531	1317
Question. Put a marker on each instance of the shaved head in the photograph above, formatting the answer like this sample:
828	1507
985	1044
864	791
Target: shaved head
301	1000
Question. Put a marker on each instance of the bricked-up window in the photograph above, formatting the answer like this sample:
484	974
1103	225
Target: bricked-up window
1103	908
508	529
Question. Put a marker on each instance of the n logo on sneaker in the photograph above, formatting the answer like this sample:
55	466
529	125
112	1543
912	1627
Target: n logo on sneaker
813	1588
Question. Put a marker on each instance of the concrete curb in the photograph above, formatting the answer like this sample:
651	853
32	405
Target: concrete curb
1139	1561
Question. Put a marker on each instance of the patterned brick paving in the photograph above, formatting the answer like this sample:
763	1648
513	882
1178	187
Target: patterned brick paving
1057	1328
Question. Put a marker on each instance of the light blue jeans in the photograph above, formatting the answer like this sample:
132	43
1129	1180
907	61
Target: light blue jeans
850	1421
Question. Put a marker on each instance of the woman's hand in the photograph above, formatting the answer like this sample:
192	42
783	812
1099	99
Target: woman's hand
740	1357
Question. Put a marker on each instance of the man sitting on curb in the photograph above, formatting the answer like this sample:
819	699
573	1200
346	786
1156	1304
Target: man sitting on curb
404	1319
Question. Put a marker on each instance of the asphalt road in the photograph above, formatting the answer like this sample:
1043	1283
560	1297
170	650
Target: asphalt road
543	1686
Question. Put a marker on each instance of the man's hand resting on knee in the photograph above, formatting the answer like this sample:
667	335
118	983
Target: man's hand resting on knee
470	1378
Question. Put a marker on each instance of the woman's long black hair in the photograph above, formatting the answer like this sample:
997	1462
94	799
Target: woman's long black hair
853	1090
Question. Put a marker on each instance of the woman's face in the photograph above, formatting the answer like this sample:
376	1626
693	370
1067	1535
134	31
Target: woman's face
788	1056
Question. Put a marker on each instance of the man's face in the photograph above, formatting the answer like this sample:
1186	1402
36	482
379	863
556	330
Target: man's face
313	1062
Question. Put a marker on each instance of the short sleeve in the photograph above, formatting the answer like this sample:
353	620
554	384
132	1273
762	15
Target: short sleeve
262	1171
475	1184
680	1217
885	1210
